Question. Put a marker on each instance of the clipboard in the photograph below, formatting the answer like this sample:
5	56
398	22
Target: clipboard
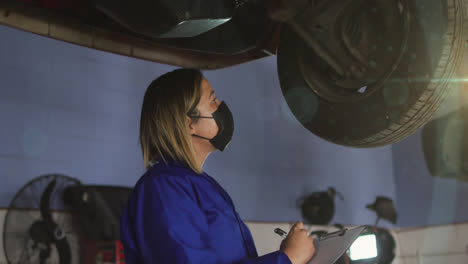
330	247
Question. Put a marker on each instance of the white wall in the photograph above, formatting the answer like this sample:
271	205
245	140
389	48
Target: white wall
434	245
446	244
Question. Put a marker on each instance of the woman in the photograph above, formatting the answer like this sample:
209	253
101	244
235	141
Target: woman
177	213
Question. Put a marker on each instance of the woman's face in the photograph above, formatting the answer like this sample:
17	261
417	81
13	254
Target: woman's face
206	127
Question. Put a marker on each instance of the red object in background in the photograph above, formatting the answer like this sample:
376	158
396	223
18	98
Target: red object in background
95	252
119	251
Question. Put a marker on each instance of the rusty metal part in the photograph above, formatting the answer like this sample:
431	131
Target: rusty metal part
50	23
285	10
353	45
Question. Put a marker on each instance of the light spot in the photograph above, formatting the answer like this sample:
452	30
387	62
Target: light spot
400	7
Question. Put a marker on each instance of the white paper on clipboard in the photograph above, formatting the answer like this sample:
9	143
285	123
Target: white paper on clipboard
329	249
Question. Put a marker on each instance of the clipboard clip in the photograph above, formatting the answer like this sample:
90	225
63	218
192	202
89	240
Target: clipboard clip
338	233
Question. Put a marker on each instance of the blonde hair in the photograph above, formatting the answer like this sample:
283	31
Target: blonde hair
168	101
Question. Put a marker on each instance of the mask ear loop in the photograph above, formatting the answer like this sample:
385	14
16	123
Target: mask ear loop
201	137
201	117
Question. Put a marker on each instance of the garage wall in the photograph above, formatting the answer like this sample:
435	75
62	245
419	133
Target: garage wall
443	244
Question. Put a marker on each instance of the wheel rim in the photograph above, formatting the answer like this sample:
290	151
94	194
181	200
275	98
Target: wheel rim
375	37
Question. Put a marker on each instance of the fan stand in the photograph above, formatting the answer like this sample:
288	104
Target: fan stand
377	221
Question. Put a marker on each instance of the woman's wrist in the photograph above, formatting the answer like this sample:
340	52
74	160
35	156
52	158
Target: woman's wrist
290	256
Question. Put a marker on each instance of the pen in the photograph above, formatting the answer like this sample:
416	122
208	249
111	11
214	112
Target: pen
281	232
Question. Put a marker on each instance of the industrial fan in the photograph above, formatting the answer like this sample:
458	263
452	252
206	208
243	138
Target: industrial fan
38	225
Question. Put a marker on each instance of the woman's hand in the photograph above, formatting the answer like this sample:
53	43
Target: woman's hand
298	245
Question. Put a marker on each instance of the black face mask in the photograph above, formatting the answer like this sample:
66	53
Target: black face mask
225	122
